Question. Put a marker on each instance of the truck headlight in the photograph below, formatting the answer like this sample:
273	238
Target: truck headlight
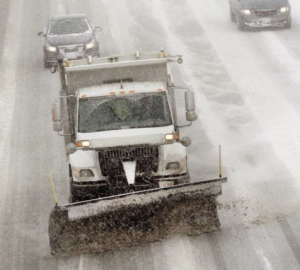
172	166
284	9
86	173
52	49
83	143
246	11
89	45
171	137
82	173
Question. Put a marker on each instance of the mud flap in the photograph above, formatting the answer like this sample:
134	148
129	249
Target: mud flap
131	219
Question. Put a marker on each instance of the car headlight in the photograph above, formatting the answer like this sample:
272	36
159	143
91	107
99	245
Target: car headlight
89	45
171	137
284	9
246	11
52	49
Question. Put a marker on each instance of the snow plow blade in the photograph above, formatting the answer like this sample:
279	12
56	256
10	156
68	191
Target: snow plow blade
130	219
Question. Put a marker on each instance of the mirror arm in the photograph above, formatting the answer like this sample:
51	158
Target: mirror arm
68	96
61	134
187	125
179	87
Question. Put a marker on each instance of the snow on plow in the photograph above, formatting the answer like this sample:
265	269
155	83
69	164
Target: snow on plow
130	219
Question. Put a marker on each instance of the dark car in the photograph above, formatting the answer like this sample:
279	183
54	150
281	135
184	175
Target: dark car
260	13
69	36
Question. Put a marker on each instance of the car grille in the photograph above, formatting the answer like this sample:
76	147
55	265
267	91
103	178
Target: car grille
71	49
265	13
146	158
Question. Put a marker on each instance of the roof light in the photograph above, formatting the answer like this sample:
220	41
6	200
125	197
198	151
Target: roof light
160	89
131	92
122	92
112	93
83	95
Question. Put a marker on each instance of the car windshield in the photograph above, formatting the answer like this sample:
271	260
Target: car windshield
69	27
111	113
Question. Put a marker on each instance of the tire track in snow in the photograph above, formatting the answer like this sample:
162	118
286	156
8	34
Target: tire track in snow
278	127
8	78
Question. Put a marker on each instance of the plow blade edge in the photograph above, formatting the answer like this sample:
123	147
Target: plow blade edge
130	219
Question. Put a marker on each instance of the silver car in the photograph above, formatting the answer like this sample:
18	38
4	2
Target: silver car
69	36
260	13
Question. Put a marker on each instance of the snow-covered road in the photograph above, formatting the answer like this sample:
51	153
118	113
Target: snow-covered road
247	89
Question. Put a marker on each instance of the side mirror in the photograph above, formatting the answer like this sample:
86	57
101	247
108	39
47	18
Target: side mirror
190	106
97	29
186	141
57	126
71	148
56	115
41	34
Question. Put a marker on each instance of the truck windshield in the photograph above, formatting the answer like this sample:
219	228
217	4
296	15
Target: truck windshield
69	27
111	113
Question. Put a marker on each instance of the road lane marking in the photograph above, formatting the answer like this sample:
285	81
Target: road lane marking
291	238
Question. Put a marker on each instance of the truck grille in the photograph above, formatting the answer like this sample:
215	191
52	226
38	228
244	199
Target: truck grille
265	13
111	159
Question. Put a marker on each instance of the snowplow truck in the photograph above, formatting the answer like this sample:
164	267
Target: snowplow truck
129	180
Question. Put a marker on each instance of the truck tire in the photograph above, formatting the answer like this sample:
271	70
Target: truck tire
73	195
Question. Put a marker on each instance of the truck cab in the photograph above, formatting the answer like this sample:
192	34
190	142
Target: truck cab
124	135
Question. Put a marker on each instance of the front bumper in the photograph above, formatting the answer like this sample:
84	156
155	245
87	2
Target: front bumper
51	58
92	189
262	22
95	189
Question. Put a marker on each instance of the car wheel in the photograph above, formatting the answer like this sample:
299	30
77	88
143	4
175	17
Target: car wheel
46	64
288	24
241	26
232	17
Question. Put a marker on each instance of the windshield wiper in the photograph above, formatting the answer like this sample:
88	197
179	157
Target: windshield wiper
151	114
120	120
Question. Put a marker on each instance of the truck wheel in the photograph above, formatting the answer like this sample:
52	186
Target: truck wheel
73	195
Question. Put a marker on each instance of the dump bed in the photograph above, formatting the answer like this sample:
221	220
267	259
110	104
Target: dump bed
150	67
138	67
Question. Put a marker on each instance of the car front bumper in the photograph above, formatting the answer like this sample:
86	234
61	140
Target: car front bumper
260	22
51	58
